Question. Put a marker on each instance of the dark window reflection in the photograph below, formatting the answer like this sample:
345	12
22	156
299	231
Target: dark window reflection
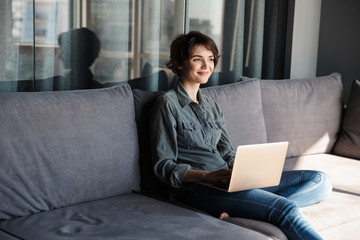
78	50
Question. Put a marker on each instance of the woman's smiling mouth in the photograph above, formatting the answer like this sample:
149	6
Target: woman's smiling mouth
204	73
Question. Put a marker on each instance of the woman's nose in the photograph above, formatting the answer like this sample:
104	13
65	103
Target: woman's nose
204	64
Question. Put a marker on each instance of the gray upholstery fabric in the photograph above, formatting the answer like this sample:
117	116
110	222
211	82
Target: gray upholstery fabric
266	228
6	236
348	144
130	216
338	216
63	148
144	100
241	105
305	112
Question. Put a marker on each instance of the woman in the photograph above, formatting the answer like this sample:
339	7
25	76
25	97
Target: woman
191	145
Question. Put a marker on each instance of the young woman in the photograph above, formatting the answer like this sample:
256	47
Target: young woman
191	145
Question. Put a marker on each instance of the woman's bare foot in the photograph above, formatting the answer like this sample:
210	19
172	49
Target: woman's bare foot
224	215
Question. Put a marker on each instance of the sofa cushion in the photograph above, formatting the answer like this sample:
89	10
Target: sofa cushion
62	148
130	216
264	227
348	144
306	112
241	106
6	236
338	216
143	103
153	82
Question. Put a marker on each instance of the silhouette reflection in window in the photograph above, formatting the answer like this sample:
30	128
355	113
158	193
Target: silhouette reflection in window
78	50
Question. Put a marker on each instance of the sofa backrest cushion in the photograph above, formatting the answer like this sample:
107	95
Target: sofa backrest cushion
63	148
144	101
241	106
348	144
306	112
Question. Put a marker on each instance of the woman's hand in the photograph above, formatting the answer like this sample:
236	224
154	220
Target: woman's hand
218	177
212	177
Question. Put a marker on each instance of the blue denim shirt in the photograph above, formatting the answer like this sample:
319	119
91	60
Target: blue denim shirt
186	135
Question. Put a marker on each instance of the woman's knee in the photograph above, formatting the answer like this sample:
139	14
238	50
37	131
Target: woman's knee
325	184
323	180
322	187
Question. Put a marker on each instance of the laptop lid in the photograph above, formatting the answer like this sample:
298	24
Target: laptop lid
258	166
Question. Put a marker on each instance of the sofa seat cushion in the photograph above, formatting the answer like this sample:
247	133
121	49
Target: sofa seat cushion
7	236
129	216
338	216
67	147
259	226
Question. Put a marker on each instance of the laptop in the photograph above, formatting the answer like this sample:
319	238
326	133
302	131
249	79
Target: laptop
256	166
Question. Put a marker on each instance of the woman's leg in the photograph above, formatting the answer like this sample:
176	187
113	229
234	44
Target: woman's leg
255	204
304	187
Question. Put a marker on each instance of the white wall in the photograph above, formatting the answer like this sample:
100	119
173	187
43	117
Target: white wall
305	38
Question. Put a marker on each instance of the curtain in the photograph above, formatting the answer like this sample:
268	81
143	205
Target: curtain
254	37
277	39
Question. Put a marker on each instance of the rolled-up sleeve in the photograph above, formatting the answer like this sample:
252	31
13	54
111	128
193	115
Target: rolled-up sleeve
164	145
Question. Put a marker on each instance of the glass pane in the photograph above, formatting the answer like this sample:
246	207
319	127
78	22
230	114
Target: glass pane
157	29
206	16
51	19
31	53
134	38
112	22
17	41
156	37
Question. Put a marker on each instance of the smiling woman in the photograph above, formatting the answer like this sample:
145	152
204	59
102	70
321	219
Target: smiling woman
191	145
193	58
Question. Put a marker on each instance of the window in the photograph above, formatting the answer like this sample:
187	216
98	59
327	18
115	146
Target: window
75	44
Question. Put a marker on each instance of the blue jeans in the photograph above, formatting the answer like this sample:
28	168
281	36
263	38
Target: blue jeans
278	205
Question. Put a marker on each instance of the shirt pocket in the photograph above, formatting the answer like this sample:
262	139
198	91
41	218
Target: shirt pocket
192	137
216	131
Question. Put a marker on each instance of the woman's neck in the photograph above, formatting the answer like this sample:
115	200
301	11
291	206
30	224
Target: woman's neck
192	90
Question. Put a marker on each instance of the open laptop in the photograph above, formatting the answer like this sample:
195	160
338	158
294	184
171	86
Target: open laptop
256	166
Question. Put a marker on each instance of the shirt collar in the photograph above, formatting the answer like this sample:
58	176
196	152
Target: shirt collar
184	98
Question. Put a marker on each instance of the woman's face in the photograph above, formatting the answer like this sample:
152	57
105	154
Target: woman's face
199	67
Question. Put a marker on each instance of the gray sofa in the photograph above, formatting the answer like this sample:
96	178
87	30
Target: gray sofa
75	164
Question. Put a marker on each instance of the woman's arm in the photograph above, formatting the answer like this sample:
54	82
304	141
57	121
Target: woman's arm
164	145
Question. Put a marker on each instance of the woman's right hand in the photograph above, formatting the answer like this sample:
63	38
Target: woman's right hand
218	177
210	177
